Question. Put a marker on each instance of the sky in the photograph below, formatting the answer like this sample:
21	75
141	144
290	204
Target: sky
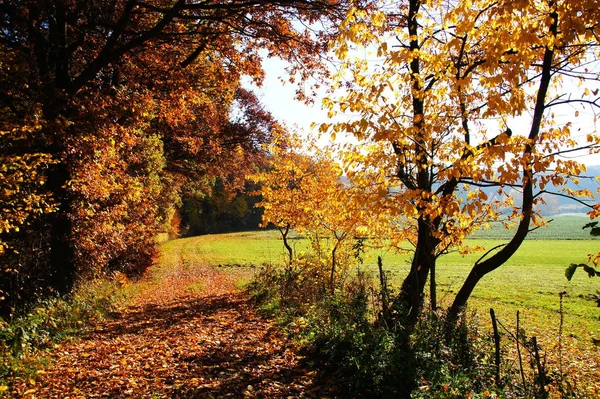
278	98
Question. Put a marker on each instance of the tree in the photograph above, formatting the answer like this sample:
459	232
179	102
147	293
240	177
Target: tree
222	210
123	101
433	120
593	259
286	186
303	190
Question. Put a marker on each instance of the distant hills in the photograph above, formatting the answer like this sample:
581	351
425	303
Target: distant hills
569	206
561	205
556	205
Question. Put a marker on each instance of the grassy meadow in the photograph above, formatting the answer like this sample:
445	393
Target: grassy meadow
530	281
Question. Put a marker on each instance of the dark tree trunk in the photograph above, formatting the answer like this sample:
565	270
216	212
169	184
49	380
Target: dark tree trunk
62	253
62	256
338	242
432	289
284	233
332	272
409	302
480	269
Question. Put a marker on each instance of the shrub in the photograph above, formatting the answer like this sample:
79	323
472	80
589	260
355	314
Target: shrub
459	365
24	338
296	287
347	340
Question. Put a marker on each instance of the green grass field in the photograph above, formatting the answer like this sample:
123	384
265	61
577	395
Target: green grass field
560	227
529	282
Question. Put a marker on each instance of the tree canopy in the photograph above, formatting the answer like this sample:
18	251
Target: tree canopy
462	96
108	110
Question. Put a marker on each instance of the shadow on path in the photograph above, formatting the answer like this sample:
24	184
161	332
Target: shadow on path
210	347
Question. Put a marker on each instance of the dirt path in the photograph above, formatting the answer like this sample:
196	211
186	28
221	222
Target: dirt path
173	344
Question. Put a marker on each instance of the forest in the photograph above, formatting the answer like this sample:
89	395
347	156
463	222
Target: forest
128	123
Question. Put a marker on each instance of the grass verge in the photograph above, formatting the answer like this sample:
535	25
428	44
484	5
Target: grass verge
25	339
530	282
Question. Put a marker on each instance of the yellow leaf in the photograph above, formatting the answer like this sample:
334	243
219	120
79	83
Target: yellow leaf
3	388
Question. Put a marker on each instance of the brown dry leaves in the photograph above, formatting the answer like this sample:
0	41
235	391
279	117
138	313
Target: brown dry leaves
180	345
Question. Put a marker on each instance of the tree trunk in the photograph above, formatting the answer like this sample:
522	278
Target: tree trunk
480	269
57	109
432	289
332	272
62	253
338	242
409	302
284	233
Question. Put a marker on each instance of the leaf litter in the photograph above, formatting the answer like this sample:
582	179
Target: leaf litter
171	342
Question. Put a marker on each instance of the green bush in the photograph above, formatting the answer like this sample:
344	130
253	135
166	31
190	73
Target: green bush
367	357
459	365
296	286
346	338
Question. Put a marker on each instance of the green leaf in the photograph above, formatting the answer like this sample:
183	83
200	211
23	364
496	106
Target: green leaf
590	225
570	271
594	229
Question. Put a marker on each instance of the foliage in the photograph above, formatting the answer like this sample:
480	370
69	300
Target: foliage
525	270
365	355
20	179
303	189
594	228
110	111
457	366
180	333
25	338
431	121
220	211
592	258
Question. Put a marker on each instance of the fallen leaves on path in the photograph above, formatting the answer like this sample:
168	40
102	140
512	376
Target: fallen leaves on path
176	345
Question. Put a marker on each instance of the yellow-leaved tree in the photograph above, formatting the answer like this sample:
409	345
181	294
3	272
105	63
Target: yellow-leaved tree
303	190
459	99
284	186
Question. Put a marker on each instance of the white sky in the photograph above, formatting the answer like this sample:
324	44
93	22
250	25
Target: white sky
278	97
